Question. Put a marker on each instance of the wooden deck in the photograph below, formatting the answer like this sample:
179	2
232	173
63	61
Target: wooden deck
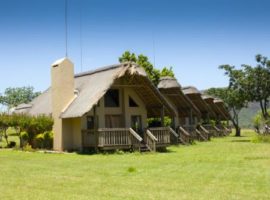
127	138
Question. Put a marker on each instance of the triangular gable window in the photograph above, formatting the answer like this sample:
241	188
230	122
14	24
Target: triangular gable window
132	103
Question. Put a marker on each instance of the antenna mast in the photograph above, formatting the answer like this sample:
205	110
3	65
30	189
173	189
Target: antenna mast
81	51
66	27
154	48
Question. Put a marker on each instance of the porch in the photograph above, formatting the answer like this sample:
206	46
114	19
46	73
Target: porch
213	130
128	139
194	132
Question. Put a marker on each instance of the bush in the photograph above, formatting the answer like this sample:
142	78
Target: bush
11	144
43	140
28	128
39	141
48	139
24	136
28	147
261	139
259	122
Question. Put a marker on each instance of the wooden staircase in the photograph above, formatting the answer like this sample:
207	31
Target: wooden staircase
144	148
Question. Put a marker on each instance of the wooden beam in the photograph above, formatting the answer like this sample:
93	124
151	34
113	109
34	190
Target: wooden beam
127	86
174	95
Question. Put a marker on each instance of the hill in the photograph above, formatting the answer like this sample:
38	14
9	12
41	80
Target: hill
247	114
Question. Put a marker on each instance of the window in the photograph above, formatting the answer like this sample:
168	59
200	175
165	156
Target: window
90	122
112	98
132	103
113	121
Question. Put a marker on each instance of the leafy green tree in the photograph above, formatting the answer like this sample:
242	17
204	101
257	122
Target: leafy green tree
167	71
153	74
256	83
142	60
234	96
14	96
128	57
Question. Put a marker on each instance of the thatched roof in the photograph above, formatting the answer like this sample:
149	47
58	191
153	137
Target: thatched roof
171	89
210	101
195	96
222	107
40	105
91	86
168	82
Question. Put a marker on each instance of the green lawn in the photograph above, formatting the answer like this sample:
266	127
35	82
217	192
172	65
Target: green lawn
225	168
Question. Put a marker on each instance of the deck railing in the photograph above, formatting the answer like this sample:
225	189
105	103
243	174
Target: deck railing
191	129
108	137
162	134
223	129
219	131
200	135
210	128
175	136
111	138
184	137
151	141
205	132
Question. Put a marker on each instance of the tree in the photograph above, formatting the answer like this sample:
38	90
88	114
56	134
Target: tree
256	83
234	96
14	96
153	74
128	57
142	60
167	72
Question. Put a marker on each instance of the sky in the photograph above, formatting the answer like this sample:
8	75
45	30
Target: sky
192	36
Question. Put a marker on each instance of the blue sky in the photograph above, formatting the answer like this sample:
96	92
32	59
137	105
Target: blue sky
193	36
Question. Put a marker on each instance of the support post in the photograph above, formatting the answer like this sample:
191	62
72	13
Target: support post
123	108
162	115
190	117
95	128
208	117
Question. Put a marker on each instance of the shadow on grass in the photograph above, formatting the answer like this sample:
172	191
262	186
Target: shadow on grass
247	140
257	158
121	152
165	151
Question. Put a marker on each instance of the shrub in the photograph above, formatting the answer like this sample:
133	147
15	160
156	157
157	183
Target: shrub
38	141
261	139
43	140
28	147
11	144
24	136
48	139
27	128
259	121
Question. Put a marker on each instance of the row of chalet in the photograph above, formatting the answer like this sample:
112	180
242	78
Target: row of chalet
109	109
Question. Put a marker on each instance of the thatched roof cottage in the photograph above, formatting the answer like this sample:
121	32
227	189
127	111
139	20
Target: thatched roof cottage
104	109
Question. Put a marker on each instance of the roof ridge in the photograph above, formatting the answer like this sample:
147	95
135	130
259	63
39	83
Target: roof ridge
101	69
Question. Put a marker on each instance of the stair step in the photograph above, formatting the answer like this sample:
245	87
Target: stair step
144	148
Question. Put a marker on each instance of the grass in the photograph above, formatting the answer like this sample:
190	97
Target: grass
225	168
